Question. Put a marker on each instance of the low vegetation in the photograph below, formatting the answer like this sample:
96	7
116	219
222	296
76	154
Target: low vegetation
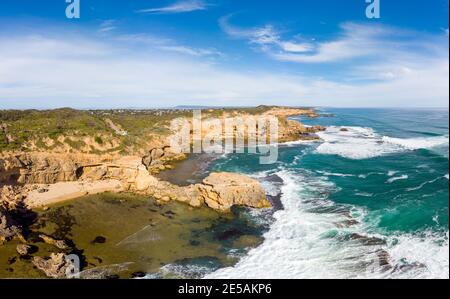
94	131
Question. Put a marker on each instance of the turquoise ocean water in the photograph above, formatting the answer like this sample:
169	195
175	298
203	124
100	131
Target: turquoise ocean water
369	201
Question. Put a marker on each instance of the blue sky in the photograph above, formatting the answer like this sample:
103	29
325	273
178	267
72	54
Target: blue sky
160	53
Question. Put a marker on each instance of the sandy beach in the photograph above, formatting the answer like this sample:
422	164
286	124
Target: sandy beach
45	195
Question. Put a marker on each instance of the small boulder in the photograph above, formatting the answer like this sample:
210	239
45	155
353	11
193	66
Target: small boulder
56	266
23	249
99	240
61	244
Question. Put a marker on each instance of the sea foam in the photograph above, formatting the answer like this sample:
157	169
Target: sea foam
302	243
364	143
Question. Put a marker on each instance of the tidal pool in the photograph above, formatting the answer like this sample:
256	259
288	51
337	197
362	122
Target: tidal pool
132	236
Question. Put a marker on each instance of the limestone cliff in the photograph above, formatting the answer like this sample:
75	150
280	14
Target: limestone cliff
219	191
37	172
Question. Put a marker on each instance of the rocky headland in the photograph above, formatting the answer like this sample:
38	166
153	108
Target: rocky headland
40	171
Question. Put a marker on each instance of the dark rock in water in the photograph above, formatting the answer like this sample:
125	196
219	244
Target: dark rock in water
12	260
367	241
98	259
169	214
335	209
274	179
409	267
275	201
138	274
344	130
383	259
194	243
346	223
229	234
327	115
99	240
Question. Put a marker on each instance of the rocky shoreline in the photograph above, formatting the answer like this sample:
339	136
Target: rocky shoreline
37	180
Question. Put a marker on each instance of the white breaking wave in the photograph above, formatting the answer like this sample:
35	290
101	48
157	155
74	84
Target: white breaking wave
294	247
425	183
416	143
397	178
364	143
301	244
429	253
335	174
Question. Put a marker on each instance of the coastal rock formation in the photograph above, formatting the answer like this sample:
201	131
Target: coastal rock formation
11	195
60	244
160	158
56	266
23	249
153	157
221	191
39	168
290	111
49	177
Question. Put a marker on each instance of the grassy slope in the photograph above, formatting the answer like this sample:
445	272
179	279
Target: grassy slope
44	129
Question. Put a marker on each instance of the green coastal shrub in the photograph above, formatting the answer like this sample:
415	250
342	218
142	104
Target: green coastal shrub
99	140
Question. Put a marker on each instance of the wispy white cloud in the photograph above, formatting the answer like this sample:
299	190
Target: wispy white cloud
354	42
107	26
265	37
192	51
166	45
137	71
178	7
294	47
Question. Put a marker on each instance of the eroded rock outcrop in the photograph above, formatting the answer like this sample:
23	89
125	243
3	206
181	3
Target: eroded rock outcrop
60	244
23	249
50	179
161	158
56	266
40	168
221	191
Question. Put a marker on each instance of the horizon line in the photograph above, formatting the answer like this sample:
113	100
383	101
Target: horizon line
193	107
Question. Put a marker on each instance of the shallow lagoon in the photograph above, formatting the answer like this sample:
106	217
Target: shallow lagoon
125	235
